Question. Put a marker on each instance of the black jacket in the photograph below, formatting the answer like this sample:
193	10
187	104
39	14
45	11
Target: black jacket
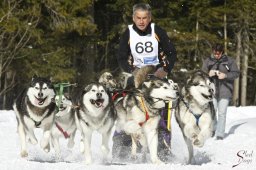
164	44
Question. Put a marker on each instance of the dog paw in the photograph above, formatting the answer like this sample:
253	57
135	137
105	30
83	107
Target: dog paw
134	157
137	136
88	161
198	143
81	147
104	150
157	161
46	148
194	136
58	157
32	141
24	154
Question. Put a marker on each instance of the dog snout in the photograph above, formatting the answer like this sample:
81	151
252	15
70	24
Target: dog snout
40	94
177	93
99	94
211	91
175	87
61	105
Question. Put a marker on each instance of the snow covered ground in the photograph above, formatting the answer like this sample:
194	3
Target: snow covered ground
237	148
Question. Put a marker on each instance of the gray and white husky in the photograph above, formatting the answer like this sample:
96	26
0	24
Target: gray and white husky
96	113
64	125
34	108
138	114
195	113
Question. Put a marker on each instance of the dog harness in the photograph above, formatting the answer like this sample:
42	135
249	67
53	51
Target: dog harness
118	94
197	116
65	133
145	110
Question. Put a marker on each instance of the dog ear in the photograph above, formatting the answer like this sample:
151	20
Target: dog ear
189	80
34	77
87	88
147	84
67	96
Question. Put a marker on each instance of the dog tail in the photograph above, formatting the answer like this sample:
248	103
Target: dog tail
141	75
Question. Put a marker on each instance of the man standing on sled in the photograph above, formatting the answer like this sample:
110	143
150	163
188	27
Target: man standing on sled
144	43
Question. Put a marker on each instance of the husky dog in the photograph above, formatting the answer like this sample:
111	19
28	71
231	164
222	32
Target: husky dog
108	81
34	108
95	113
195	113
65	125
138	114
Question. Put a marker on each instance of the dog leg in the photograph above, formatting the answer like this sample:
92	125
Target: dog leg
87	145
202	136
71	142
82	145
104	145
45	141
143	142
134	147
31	137
190	132
56	146
190	151
152	141
22	135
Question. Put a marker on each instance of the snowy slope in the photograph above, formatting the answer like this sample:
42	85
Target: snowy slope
237	148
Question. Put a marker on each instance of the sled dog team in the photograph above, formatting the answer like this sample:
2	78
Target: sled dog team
136	113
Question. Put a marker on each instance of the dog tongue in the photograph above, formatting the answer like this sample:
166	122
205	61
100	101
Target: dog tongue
39	102
99	102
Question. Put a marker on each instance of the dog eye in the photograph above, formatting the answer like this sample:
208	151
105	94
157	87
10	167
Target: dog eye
44	88
165	88
37	88
102	91
93	90
201	85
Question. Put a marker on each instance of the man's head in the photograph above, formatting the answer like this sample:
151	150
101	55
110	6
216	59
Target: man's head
142	15
218	50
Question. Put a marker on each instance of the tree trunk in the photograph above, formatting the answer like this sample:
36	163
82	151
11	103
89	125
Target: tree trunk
5	94
197	37
225	32
1	68
245	67
236	100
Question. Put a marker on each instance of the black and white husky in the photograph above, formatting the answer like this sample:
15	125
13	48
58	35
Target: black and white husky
195	113
138	114
34	108
95	113
65	125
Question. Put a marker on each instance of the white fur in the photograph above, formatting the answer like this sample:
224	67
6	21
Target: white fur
46	122
196	135
129	118
66	121
95	119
